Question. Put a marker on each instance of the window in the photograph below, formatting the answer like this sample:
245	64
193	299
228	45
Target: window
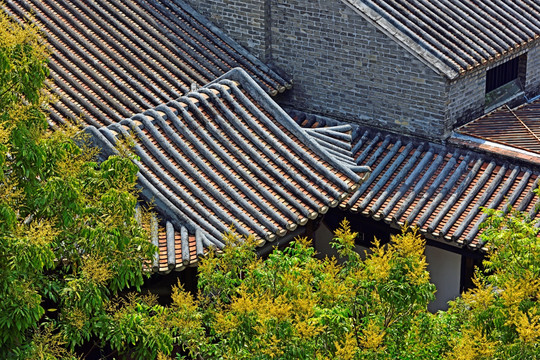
505	82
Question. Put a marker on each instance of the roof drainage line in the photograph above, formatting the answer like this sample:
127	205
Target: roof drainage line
280	152
428	156
238	52
524	23
69	107
199	250
493	205
164	52
468	200
209	70
456	175
125	41
171	246
524	204
380	167
91	27
522	123
455	196
172	202
481	202
200	164
517	192
397	179
93	108
186	254
512	29
210	143
227	128
365	152
186	181
276	137
428	194
419	187
385	178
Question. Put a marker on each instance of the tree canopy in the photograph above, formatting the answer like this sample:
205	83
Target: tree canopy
68	235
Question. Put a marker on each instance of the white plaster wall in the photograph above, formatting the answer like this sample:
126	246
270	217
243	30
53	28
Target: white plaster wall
445	271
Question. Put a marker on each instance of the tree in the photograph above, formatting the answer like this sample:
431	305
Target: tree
293	305
500	317
69	241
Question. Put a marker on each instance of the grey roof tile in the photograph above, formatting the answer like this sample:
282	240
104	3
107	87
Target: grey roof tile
227	154
111	59
456	35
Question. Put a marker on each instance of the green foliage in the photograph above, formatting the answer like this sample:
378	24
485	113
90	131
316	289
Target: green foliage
500	317
69	242
293	305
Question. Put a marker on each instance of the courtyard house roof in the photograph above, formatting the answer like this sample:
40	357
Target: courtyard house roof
455	36
440	189
225	155
111	59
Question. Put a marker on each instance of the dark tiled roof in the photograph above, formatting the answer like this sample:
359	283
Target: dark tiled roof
456	35
439	189
517	128
112	59
227	154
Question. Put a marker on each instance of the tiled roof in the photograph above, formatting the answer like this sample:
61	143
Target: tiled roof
518	128
227	154
439	189
455	35
111	59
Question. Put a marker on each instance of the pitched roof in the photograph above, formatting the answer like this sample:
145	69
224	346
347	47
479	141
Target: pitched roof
111	59
227	154
521	127
454	36
440	189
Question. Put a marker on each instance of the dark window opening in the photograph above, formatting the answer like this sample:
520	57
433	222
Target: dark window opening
505	82
502	74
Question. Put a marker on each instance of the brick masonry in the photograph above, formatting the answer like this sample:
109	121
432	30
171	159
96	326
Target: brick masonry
344	67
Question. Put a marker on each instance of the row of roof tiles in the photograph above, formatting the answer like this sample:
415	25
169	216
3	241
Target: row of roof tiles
521	127
440	189
111	59
456	35
228	155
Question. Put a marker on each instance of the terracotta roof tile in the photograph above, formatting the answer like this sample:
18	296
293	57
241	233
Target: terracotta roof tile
218	160
111	59
440	189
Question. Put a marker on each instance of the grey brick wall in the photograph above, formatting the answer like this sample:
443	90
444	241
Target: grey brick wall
532	79
344	67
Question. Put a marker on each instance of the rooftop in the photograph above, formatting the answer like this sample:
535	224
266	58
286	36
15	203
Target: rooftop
111	59
225	155
455	36
440	189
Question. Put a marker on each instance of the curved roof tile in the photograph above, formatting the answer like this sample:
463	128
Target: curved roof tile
456	35
112	59
227	154
440	189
